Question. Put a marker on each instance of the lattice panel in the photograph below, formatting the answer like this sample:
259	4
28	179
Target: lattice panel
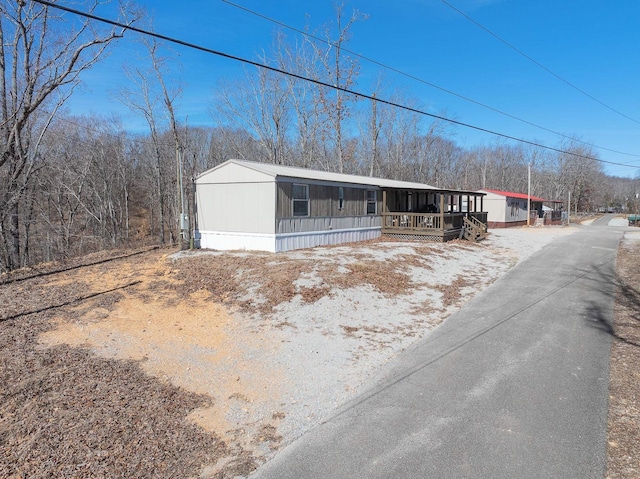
408	237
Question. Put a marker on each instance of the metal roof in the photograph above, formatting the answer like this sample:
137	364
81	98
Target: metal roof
277	171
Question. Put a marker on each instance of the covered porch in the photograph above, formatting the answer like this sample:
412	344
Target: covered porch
433	214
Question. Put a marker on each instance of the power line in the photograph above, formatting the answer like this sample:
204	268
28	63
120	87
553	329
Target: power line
535	62
433	85
317	82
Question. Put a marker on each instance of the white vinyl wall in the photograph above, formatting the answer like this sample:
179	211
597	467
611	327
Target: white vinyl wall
495	206
237	207
237	216
504	209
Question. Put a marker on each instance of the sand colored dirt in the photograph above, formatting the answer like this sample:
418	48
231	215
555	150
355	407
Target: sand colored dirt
193	343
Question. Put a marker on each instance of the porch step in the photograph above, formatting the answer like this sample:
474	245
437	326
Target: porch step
539	221
473	237
473	230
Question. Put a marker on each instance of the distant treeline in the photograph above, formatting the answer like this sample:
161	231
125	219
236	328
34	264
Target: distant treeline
73	185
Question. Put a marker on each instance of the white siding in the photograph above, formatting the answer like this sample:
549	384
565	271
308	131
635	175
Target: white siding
237	207
505	209
226	241
495	206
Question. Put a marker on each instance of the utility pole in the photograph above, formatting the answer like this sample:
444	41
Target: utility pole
183	219
529	194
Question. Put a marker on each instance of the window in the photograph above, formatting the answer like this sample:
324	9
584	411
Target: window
340	197
372	203
515	205
300	198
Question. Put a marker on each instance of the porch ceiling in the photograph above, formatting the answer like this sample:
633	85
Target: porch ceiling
430	189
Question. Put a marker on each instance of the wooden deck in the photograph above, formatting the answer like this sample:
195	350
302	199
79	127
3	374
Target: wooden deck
434	226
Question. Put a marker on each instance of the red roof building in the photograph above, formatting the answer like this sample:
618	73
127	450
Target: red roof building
506	208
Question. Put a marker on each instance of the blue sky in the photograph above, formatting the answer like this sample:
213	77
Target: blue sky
592	44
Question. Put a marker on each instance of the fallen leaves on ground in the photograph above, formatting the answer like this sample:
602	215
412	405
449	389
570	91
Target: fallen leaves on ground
624	384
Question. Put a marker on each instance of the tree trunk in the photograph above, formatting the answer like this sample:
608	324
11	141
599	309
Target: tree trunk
13	245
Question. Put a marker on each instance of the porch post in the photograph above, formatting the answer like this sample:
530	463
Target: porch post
384	208
442	211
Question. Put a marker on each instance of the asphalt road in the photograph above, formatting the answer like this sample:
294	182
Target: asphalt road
514	385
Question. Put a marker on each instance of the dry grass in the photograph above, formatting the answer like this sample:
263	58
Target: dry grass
452	293
624	384
382	276
272	281
226	278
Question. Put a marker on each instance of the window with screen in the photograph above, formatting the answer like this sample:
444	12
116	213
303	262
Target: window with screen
372	203
300	198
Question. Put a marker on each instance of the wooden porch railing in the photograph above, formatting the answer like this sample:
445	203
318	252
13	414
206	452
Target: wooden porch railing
481	216
407	222
412	221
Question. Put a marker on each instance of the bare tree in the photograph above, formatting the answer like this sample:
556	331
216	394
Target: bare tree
80	202
307	119
152	98
340	70
579	173
260	104
143	100
398	141
41	60
169	96
372	124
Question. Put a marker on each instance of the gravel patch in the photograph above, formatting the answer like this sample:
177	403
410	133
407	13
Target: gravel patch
618	221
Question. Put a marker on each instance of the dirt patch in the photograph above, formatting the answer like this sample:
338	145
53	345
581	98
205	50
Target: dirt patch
66	413
382	276
186	340
226	278
624	384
